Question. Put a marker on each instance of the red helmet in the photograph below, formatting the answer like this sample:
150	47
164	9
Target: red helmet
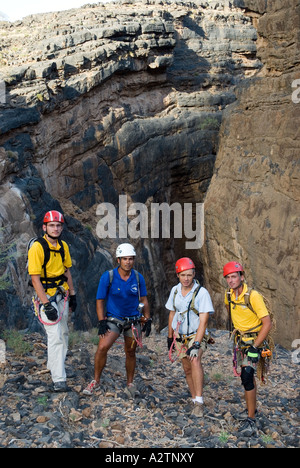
51	216
183	264
232	267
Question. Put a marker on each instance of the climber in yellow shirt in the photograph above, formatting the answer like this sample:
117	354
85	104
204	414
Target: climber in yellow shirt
251	330
49	264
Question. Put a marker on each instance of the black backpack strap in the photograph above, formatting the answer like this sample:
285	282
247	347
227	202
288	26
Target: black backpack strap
51	283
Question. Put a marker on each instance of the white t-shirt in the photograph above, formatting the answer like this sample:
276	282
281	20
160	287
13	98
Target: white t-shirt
202	304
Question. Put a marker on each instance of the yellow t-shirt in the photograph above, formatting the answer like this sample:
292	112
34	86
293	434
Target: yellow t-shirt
55	266
242	317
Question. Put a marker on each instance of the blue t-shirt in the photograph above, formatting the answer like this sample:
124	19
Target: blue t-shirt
122	296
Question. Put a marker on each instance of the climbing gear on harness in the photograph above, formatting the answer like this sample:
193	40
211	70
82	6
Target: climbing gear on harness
52	282
266	353
184	264
127	323
125	250
253	354
232	267
193	351
53	216
39	308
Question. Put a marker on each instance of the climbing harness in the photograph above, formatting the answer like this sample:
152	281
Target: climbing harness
241	343
128	322
36	305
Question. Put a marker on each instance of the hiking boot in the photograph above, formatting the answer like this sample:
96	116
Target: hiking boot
243	415
198	409
89	390
60	387
249	428
131	391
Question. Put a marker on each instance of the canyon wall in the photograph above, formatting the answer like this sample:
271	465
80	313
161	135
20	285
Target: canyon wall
175	102
252	204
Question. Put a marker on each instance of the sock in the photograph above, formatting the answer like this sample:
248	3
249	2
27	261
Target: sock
198	399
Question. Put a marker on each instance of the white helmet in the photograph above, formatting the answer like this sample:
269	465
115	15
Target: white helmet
125	250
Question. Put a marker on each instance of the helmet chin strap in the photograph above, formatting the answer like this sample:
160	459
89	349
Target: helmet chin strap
51	237
239	286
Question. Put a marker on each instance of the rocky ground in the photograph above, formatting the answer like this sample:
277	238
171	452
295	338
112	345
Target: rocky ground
31	415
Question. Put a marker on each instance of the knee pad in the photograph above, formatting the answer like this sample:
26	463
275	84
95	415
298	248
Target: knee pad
247	377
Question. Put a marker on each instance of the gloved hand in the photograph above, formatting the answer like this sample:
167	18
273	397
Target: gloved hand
170	341
73	302
51	312
253	354
102	327
193	351
147	327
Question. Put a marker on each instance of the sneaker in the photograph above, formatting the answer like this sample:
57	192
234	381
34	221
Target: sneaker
60	387
89	390
131	391
198	409
243	415
249	428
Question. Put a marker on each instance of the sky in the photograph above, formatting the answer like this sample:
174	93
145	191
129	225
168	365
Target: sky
17	9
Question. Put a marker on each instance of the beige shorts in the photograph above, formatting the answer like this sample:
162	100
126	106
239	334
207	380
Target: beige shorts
182	346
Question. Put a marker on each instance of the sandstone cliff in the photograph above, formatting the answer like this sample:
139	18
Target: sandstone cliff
252	204
127	98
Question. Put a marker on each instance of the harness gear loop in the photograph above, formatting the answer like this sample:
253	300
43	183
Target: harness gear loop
125	324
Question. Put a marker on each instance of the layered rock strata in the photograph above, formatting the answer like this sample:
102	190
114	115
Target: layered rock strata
127	98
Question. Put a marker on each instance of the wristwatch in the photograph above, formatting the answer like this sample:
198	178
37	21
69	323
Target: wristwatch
197	344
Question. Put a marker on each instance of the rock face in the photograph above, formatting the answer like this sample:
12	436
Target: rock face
252	205
127	98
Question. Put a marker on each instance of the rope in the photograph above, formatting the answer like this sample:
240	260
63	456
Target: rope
37	308
174	344
136	338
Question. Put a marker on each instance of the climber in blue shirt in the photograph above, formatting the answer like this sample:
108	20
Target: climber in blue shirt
124	292
123	296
